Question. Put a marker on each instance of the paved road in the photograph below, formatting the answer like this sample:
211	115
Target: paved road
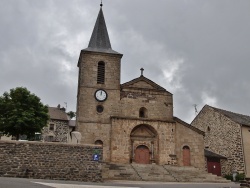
35	183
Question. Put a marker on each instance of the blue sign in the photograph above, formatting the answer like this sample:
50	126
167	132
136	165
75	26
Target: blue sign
96	157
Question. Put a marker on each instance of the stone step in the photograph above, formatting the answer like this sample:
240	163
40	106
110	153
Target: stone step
153	172
112	171
192	174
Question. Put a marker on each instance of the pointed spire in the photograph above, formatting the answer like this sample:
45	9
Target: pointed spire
99	40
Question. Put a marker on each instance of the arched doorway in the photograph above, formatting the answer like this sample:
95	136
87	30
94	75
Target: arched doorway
186	156
144	144
142	155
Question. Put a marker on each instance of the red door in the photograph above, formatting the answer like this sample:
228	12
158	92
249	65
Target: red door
186	156
142	155
213	166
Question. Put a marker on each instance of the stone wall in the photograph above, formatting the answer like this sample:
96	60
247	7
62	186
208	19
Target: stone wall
159	104
122	147
91	132
246	145
188	137
49	161
222	136
87	86
59	133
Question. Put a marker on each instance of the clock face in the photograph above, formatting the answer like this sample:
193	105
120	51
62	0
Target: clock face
101	95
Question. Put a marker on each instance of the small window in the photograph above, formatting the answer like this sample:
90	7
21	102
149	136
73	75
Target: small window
50	138
101	72
143	112
208	129
51	127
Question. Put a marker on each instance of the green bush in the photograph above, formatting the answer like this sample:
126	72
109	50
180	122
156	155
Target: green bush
238	178
229	177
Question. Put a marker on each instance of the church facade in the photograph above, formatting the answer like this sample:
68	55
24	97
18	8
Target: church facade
133	121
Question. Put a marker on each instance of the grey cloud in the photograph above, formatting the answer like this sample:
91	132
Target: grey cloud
41	40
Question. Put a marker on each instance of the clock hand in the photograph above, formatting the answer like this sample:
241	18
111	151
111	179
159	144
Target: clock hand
101	92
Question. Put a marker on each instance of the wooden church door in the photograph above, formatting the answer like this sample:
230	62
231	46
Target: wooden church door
142	155
213	166
186	156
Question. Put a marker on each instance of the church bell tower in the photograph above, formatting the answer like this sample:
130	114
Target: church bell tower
98	93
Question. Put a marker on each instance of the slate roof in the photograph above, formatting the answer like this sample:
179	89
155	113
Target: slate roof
238	118
58	114
212	154
99	41
143	78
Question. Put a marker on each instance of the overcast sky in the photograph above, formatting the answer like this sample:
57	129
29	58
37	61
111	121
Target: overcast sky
199	50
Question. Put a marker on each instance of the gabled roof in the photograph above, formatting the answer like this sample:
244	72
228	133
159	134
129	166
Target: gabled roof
189	126
213	155
58	114
99	41
132	84
238	118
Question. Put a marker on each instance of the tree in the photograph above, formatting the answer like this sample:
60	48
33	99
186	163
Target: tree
71	114
22	113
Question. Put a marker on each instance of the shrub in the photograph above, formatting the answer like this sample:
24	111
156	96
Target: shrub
229	177
240	177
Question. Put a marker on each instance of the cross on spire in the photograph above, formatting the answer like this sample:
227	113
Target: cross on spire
142	69
101	4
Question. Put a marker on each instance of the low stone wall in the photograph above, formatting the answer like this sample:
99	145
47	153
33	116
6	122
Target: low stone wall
50	161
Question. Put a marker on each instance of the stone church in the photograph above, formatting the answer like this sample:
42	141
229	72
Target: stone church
133	121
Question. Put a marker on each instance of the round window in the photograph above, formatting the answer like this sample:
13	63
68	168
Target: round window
99	108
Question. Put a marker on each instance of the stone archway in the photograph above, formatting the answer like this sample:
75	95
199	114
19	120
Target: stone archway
142	155
143	141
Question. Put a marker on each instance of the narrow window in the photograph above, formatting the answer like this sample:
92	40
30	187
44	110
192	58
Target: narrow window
101	72
208	129
143	112
51	127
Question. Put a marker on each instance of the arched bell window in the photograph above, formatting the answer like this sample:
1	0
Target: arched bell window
101	72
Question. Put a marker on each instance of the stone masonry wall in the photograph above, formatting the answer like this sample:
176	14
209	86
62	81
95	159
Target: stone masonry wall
91	132
222	136
49	161
87	86
159	104
121	146
60	132
187	137
246	143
